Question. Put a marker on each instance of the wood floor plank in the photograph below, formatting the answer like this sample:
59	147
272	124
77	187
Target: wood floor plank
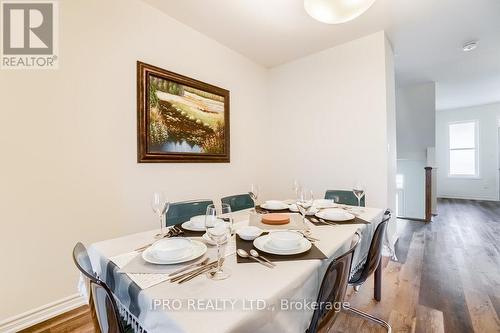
429	320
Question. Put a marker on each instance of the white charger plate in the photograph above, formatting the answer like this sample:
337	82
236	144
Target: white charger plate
283	206
335	214
261	243
198	249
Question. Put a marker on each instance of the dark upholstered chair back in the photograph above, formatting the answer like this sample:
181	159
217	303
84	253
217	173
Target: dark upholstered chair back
179	212
238	202
333	288
374	253
102	302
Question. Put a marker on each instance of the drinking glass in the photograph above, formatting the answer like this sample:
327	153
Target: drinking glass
254	193
359	192
160	205
226	210
217	231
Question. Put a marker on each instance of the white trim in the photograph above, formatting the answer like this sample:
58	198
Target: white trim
38	315
453	196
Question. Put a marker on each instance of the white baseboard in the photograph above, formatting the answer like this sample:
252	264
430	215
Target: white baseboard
35	316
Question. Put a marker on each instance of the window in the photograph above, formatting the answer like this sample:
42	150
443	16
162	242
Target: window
463	149
400	182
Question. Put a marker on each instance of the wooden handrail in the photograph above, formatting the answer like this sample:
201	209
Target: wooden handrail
428	194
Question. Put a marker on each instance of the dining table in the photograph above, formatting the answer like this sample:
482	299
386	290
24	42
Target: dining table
254	298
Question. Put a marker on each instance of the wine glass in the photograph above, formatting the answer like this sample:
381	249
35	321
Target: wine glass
217	231
304	202
226	210
359	192
296	187
160	206
254	193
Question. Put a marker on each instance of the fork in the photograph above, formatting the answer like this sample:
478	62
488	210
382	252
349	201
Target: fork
328	223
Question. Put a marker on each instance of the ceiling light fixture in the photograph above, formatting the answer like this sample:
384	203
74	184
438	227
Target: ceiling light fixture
336	11
469	46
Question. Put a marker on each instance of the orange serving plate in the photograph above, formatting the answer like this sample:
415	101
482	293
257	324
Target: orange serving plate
275	218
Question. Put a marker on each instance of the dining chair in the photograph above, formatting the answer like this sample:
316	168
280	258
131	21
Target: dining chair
179	212
238	202
344	197
333	288
104	310
371	264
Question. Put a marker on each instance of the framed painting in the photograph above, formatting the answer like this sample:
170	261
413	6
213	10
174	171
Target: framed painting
180	119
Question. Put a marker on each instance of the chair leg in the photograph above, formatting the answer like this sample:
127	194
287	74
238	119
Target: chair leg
377	279
368	316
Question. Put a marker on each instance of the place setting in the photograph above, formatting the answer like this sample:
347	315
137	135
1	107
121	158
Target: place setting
253	244
183	252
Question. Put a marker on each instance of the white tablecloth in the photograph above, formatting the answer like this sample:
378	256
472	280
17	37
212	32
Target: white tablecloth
231	305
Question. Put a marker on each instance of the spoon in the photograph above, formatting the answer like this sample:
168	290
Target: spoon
244	254
256	254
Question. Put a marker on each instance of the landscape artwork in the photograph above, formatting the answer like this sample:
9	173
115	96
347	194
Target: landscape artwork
180	119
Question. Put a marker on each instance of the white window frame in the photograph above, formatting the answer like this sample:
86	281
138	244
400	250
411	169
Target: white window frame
476	148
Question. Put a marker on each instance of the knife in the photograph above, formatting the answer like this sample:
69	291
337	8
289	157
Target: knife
204	270
183	275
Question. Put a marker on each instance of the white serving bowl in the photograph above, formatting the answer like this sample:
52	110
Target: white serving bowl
249	232
285	239
172	248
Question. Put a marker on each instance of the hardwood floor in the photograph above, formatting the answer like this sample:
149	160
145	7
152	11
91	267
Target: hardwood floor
77	320
447	278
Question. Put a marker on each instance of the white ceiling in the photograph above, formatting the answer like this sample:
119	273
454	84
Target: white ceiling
427	36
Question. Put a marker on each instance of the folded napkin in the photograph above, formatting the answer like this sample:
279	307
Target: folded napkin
143	281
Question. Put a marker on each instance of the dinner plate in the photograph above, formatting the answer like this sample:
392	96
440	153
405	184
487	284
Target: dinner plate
282	207
324	203
198	249
211	242
335	214
262	243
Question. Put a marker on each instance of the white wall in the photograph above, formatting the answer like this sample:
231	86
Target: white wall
68	137
68	142
390	95
416	119
330	120
486	186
